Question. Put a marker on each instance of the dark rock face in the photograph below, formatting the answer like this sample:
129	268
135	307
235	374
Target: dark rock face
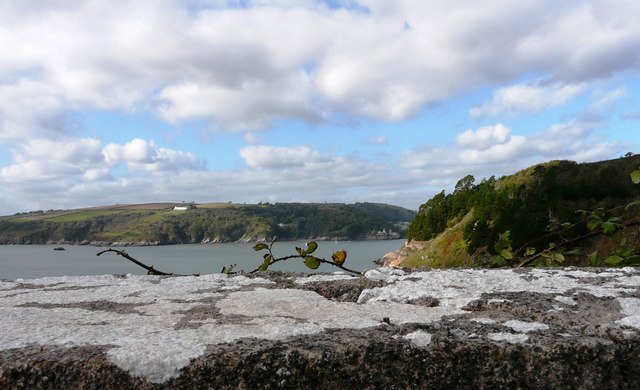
574	329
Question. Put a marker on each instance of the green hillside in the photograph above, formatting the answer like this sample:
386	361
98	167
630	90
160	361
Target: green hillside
162	223
540	207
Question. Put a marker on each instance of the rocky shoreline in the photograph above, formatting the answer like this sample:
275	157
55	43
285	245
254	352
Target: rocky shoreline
159	243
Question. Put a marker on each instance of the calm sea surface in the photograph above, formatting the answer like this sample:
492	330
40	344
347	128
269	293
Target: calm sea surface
35	261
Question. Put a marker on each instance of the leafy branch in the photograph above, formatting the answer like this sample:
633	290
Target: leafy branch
337	259
597	223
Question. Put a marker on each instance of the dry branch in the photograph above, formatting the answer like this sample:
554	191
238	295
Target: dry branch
150	269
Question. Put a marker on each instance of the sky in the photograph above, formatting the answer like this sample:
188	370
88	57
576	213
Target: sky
106	102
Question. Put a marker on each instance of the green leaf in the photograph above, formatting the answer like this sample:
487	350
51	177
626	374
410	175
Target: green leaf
614	260
633	260
311	262
558	257
506	254
228	270
632	204
311	247
593	259
635	176
530	251
504	243
497	261
573	252
608	228
267	262
260	246
593	224
615	220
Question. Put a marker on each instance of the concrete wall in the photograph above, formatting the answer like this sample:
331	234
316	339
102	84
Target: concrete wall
558	328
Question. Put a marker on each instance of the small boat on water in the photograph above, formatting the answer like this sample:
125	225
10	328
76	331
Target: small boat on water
58	248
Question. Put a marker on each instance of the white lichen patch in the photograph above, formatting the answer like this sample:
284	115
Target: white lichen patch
508	337
566	300
459	287
630	308
419	338
5	285
323	278
525	327
483	320
310	307
385	274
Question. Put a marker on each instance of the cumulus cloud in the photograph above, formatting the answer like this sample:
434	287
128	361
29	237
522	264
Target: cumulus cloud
526	98
495	150
484	137
201	60
248	66
270	157
53	171
142	155
296	173
43	159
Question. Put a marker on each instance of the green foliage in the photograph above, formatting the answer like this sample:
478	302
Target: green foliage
306	254
503	246
228	270
623	256
311	262
209	223
523	215
596	220
635	176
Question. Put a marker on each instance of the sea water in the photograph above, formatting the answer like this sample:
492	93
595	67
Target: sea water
35	261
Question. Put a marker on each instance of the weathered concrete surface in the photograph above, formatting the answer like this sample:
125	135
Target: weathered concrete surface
560	328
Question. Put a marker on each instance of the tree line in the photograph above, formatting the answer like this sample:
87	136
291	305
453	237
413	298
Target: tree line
538	206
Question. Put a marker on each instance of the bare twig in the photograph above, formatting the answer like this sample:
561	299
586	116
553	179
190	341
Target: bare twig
150	269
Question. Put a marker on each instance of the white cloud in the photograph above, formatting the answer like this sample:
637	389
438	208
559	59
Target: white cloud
69	173
142	155
484	137
246	67
251	106
607	100
43	159
526	98
376	140
270	157
495	151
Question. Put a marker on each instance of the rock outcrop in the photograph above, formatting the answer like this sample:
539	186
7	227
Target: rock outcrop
533	328
394	259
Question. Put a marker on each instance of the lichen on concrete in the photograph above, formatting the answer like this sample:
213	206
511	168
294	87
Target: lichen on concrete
464	328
